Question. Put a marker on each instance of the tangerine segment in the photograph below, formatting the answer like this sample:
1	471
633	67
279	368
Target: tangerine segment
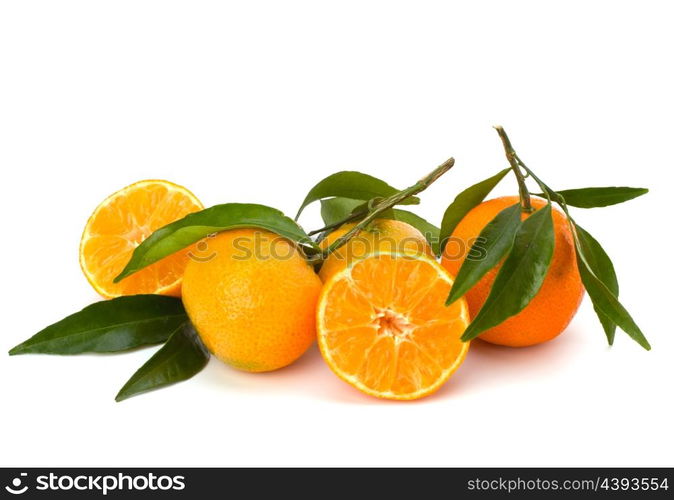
120	224
383	326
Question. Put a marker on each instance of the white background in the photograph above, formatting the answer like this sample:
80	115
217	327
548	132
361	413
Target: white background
256	101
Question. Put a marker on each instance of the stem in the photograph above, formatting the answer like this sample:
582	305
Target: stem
386	204
513	159
544	187
351	217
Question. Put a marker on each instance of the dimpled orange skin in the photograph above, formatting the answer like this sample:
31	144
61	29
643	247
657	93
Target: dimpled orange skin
253	302
383	235
551	310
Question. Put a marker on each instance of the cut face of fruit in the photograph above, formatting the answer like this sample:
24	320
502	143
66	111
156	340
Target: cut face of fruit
120	224
383	326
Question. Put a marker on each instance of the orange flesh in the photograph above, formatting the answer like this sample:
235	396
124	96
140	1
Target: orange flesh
383	326
120	224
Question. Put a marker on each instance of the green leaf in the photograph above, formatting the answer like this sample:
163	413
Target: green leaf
193	227
352	185
464	202
606	302
109	326
182	357
602	267
334	210
521	275
493	243
599	196
430	232
368	206
606	323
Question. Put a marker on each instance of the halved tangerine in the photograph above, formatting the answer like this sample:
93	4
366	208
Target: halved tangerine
383	326
120	224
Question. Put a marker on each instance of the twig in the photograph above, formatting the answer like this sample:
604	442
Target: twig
386	204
